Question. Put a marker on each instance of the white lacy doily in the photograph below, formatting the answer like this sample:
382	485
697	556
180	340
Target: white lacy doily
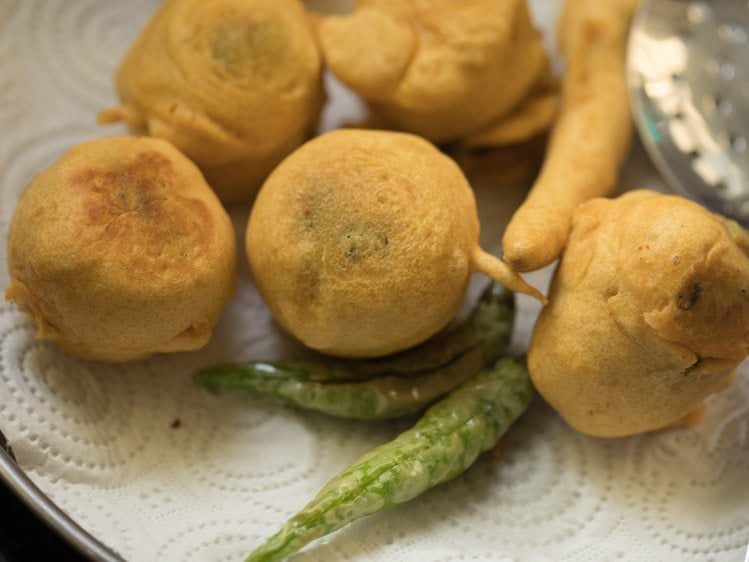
159	470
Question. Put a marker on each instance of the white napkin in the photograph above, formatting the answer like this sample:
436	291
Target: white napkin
159	470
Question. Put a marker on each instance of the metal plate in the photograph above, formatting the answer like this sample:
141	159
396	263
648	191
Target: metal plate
688	70
20	484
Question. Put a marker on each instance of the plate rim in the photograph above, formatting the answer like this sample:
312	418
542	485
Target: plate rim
45	509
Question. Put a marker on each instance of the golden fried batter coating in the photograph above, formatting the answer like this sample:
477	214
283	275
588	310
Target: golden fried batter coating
235	84
438	68
362	242
590	138
120	250
648	314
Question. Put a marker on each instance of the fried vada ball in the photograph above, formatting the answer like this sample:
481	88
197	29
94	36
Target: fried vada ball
362	242
648	314
235	84
442	69
120	250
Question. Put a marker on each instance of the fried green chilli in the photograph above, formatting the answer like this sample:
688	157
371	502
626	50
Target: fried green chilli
401	385
443	444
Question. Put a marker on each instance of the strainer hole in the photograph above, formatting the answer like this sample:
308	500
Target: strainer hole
681	133
732	32
699	12
712	67
707	171
727	71
738	143
725	107
710	104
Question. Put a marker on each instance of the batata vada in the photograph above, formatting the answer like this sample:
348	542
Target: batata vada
361	242
120	250
648	314
442	69
234	84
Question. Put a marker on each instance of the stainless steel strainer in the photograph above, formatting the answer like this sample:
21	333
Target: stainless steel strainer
688	70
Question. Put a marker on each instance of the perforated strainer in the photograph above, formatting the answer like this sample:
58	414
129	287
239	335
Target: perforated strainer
688	66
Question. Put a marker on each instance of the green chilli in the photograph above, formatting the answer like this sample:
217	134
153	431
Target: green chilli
443	443
399	385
